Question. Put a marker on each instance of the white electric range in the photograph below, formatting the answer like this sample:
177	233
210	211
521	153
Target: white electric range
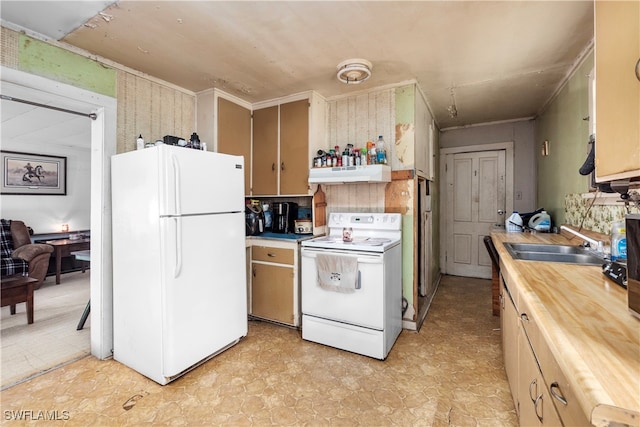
352	283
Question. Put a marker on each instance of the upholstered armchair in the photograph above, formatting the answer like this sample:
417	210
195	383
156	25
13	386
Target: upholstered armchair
19	255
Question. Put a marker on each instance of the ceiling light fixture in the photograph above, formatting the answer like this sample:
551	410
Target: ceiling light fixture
354	71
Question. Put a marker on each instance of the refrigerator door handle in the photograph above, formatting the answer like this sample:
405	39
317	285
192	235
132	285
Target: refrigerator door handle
176	184
178	267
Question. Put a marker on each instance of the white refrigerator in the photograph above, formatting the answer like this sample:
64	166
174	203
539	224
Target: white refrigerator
179	258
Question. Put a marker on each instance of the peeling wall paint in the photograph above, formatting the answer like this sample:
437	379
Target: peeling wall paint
43	59
404	138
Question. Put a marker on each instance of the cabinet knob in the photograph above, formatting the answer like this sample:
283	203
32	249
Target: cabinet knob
273	167
282	166
638	69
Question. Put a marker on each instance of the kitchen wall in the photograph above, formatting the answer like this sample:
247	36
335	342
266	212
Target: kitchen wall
522	135
151	109
563	125
144	105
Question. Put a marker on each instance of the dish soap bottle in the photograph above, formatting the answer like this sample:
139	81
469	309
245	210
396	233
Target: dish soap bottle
618	241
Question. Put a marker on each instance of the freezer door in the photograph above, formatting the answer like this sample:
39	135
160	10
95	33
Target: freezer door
204	293
200	181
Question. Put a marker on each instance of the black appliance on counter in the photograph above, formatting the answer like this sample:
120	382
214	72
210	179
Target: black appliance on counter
632	225
254	220
284	215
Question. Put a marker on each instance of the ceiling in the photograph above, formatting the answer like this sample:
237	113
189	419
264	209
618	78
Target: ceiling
493	61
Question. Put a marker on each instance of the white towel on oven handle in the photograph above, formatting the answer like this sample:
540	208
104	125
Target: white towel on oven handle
338	273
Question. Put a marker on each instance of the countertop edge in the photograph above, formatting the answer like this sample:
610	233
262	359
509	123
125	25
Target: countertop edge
598	405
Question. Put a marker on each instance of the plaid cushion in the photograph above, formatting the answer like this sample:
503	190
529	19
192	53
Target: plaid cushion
7	241
9	266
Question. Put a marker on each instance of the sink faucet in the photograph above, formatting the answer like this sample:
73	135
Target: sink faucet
597	245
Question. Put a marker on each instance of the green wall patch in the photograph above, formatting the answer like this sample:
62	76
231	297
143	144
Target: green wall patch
405	104
43	59
407	261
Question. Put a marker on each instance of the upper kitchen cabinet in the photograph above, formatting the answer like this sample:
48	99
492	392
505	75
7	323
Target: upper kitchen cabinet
224	122
414	133
286	133
265	149
617	121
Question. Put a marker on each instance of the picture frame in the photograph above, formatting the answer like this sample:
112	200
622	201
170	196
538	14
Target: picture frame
29	174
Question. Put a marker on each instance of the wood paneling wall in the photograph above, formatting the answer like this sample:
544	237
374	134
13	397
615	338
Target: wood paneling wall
361	118
151	109
356	120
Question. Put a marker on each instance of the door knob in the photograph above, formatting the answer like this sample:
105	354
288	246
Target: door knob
500	212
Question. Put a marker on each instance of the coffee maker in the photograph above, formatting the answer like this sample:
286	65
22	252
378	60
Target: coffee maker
284	215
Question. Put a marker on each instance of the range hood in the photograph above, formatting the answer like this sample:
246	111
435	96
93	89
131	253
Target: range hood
350	174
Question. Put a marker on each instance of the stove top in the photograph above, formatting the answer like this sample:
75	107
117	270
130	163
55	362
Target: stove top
371	232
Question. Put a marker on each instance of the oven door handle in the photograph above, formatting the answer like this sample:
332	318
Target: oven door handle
361	259
359	282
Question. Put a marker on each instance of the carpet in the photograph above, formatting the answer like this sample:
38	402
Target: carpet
52	340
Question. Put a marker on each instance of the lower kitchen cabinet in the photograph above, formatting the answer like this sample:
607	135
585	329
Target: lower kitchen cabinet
274	282
522	346
509	326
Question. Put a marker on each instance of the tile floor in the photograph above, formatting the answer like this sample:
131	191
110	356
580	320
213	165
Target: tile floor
450	373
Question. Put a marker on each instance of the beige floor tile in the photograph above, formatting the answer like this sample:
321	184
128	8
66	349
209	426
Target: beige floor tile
450	373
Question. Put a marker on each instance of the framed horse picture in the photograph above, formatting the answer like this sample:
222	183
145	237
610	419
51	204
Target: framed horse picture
25	173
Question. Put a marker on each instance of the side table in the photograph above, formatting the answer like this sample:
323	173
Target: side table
64	247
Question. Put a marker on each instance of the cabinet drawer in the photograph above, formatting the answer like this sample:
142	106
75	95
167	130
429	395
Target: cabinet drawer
268	254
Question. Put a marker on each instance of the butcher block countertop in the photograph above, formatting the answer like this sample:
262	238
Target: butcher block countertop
584	319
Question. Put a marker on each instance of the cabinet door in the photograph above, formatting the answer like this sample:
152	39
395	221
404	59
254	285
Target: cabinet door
234	135
294	147
272	293
530	386
265	151
509	327
617	47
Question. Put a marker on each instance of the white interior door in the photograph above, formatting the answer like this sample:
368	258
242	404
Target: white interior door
476	193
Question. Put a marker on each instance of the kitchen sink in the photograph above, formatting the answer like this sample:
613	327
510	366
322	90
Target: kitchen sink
556	249
553	253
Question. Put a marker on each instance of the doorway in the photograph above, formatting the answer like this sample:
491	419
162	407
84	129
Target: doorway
477	185
103	146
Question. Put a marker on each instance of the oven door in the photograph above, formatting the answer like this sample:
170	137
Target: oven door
363	307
